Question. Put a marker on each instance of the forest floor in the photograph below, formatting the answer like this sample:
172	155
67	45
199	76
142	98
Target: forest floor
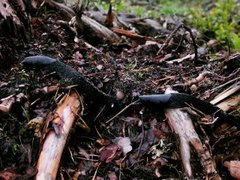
147	64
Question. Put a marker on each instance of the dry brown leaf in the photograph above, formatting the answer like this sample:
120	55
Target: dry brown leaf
128	33
108	153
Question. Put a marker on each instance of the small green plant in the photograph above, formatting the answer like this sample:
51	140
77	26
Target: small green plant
138	10
24	76
15	148
220	22
174	7
118	6
152	9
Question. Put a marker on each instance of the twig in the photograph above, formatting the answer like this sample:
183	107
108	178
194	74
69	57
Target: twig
102	109
85	159
141	142
120	112
231	75
196	80
168	39
95	173
174	32
225	84
120	169
193	42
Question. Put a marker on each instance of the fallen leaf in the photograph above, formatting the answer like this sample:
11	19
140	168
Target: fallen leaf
108	153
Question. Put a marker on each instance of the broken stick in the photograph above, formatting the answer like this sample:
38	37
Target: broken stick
182	125
50	156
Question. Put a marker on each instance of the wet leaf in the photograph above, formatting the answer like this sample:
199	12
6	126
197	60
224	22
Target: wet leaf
108	153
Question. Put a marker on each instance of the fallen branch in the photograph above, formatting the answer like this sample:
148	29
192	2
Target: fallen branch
50	156
63	9
88	25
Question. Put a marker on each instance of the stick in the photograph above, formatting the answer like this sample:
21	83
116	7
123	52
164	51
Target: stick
50	156
171	36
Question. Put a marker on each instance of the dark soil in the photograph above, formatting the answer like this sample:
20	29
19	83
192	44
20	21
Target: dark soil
131	67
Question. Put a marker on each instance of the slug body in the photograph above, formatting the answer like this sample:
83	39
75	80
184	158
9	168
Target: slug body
69	74
180	100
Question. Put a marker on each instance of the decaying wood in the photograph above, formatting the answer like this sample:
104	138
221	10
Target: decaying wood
7	103
181	124
126	21
62	8
233	168
7	11
88	25
228	99
142	25
230	103
85	24
226	93
55	141
15	17
10	23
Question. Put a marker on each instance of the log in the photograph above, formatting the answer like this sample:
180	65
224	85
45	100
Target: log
53	146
